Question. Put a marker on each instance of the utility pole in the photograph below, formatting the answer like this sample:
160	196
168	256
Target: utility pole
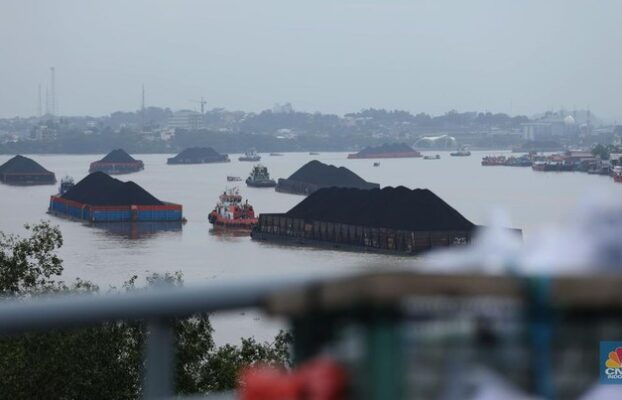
47	101
39	102
142	111
52	110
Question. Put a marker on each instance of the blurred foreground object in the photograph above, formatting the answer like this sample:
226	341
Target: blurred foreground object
320	379
392	335
407	335
588	241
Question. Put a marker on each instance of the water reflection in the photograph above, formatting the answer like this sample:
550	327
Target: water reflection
138	230
226	233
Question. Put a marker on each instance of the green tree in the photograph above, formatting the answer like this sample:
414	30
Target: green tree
105	361
30	264
601	151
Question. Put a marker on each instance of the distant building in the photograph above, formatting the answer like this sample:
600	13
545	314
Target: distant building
282	108
8	138
549	127
533	131
187	119
43	132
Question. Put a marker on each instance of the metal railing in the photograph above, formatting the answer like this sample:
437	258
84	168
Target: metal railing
158	307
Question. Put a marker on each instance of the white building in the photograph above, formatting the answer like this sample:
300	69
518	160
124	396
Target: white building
549	127
187	119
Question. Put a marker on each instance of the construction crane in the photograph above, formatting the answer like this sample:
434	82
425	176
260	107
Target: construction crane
202	102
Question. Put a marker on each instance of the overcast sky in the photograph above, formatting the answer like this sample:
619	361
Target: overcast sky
330	56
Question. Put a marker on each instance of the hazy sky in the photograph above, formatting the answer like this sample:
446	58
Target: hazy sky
330	56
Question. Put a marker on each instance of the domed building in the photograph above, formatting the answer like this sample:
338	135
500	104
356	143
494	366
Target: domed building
436	142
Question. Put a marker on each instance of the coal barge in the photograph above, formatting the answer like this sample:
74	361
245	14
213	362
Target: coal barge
392	220
21	170
117	162
316	175
198	155
101	198
387	150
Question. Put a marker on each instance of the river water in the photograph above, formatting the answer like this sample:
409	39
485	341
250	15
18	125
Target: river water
533	199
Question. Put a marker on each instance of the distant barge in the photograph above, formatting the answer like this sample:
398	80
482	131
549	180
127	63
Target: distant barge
512	161
391	220
198	155
117	162
316	175
24	171
395	150
101	198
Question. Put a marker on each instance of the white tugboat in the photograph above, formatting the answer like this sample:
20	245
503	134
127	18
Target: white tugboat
250	155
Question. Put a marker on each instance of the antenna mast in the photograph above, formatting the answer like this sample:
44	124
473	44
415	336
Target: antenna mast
39	102
142	110
52	92
47	101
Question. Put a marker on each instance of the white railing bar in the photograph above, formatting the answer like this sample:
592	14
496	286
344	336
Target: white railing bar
41	313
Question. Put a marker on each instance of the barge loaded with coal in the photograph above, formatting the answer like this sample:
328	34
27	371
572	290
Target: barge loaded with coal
117	162
390	220
387	150
198	155
315	175
101	198
21	170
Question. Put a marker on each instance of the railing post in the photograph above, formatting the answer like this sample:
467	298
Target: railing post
159	360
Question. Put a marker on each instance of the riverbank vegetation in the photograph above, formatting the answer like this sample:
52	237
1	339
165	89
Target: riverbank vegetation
105	361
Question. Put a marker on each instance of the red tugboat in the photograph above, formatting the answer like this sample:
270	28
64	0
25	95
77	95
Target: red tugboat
230	212
617	174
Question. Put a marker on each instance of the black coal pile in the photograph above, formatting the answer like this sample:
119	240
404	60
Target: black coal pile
99	189
194	155
319	175
396	208
22	165
21	170
118	156
386	148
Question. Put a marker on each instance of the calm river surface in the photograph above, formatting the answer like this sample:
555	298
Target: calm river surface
533	199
